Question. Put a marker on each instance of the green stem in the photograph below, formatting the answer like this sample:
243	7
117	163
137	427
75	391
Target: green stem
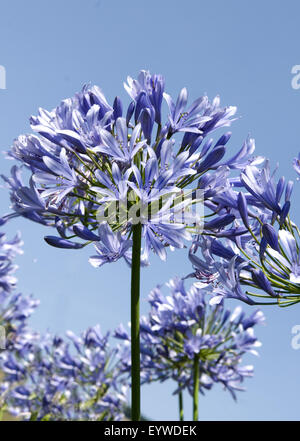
196	388
135	323
181	415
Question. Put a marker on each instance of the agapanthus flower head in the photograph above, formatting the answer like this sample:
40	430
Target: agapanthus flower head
46	377
15	308
92	162
182	325
251	244
52	378
267	259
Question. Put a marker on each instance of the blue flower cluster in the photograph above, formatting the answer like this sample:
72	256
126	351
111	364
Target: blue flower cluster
45	377
14	307
182	326
50	378
260	248
97	169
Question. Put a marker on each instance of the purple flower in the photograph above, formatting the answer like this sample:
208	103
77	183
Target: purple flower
64	379
261	184
244	156
60	177
90	164
182	325
270	235
152	86
286	261
58	242
45	377
110	247
229	286
200	117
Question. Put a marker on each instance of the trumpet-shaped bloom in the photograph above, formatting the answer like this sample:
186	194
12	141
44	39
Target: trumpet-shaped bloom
110	247
286	262
260	183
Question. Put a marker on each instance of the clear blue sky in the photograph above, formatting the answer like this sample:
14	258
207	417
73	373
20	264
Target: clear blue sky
243	51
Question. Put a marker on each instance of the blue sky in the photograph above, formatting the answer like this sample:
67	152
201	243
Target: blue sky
243	51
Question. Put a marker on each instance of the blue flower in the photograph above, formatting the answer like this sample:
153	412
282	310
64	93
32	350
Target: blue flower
229	284
60	177
244	156
117	146
180	326
287	262
46	377
64	379
110	247
90	164
200	117
153	87
261	184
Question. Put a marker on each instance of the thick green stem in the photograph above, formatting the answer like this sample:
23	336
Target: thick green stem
135	323
196	388
181	415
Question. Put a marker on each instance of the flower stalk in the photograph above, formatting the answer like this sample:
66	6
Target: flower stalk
135	322
196	388
181	414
